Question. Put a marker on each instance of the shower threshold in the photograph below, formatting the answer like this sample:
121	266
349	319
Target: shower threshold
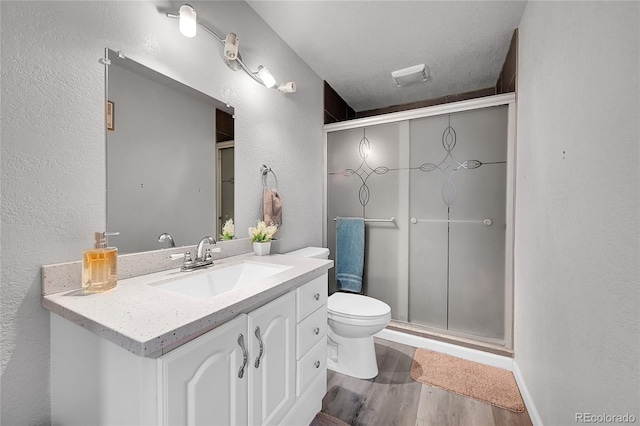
426	332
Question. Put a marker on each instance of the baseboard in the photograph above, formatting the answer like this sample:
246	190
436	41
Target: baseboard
526	396
447	348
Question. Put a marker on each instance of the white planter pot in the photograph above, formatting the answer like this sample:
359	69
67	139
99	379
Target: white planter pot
262	249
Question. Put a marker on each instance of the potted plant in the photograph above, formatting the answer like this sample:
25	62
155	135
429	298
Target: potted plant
261	236
228	230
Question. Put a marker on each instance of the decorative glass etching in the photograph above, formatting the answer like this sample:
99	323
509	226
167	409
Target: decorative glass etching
364	171
449	165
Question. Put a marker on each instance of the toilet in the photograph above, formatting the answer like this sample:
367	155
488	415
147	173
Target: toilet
353	319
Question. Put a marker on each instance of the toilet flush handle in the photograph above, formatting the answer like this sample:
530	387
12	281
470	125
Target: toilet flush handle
316	296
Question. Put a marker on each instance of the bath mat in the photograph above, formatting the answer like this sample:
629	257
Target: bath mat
488	384
323	419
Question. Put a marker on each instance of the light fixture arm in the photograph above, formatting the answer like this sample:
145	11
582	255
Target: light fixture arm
238	59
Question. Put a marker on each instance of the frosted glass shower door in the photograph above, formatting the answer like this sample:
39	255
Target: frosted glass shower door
364	180
457	209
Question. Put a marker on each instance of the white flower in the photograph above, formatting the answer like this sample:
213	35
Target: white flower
228	230
262	233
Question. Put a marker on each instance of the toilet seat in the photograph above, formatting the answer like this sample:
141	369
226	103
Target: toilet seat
357	306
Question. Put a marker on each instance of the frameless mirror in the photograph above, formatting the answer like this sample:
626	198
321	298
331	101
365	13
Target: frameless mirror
169	159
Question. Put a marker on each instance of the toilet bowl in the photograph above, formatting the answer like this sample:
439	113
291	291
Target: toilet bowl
353	319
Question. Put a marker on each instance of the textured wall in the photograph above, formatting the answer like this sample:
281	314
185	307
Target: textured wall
577	234
53	155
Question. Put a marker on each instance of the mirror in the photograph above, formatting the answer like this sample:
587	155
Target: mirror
169	159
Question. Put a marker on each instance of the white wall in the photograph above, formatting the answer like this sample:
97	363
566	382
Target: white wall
53	155
577	235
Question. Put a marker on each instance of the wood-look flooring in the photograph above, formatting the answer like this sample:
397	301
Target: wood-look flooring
394	398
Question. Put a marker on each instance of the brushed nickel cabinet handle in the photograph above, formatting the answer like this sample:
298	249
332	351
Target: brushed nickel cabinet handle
257	363
245	356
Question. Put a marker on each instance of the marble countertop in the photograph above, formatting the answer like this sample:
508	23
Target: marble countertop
150	321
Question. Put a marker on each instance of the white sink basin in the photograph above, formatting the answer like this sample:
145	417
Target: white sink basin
220	280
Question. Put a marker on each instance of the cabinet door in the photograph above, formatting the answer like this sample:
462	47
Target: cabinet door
200	383
272	379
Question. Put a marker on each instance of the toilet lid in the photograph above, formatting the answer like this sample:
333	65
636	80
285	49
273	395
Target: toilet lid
356	305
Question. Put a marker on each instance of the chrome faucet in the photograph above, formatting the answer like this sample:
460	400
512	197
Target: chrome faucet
203	258
166	236
199	251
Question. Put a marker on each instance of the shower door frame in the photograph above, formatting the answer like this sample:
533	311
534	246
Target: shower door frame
508	99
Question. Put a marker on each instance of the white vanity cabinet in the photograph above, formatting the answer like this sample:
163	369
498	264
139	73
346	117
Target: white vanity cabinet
272	371
205	381
311	351
200	383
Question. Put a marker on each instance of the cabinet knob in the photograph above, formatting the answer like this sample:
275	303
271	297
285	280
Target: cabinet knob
316	296
316	330
317	364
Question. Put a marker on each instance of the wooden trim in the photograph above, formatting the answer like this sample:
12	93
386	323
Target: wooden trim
335	108
487	101
487	91
224	126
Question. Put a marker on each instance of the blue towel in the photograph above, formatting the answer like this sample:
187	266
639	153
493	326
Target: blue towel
349	253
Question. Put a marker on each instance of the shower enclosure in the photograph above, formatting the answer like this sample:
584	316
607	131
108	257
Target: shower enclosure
435	187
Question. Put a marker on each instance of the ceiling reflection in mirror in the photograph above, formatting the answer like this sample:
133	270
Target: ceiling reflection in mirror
164	162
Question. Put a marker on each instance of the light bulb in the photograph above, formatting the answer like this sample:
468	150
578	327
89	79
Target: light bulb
266	77
188	24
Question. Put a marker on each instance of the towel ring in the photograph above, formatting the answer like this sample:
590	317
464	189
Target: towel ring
264	170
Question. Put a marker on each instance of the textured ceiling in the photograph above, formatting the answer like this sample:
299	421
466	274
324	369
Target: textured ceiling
355	45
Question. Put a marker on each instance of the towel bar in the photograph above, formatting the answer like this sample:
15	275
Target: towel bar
264	171
392	219
487	221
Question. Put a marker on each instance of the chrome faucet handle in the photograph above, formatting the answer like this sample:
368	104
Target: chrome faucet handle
188	261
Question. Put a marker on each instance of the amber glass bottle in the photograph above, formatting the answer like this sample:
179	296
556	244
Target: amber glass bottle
99	266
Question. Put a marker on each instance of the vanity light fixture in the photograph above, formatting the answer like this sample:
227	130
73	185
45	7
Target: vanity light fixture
188	22
231	47
231	55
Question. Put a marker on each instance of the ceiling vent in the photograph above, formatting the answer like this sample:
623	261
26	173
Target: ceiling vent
411	75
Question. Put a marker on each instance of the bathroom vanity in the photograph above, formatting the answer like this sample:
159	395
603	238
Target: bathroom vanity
146	354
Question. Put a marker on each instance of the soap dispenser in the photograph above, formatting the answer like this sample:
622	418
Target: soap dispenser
99	266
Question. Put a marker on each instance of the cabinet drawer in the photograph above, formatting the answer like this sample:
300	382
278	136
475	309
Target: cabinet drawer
311	330
311	296
311	365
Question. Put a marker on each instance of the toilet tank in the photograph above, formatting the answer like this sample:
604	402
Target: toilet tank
315	252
